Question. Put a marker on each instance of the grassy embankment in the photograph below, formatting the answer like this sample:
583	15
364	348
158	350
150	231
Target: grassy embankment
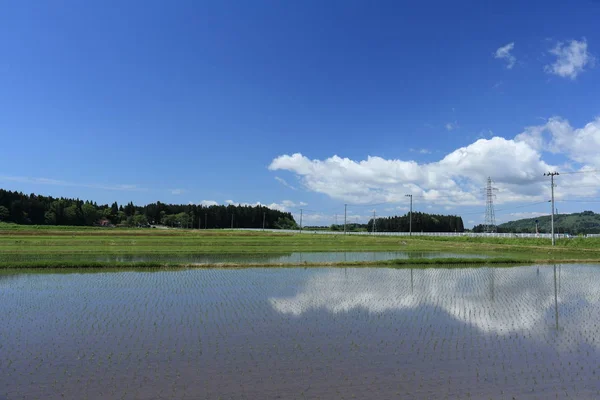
54	247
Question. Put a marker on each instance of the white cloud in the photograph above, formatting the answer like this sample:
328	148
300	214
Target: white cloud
504	54
288	203
450	126
516	166
571	59
456	179
284	183
420	151
177	192
284	205
558	136
519	215
486	133
208	203
387	290
56	182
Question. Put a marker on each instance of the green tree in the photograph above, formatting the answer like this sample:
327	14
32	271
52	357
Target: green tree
73	215
90	215
50	218
106	213
285	223
140	219
4	213
121	217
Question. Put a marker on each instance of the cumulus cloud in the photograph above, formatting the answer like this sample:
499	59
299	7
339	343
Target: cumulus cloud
503	53
558	136
208	203
516	166
571	59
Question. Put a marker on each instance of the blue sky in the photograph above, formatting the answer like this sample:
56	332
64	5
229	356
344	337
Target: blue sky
303	104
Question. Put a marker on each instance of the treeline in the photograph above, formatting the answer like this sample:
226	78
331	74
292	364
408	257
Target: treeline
484	228
421	222
586	222
45	210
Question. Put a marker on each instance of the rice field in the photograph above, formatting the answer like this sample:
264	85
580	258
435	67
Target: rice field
297	333
294	258
27	247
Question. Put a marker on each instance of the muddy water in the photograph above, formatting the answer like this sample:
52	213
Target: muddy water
522	332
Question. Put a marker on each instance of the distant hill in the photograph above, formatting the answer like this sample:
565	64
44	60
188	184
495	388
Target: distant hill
578	223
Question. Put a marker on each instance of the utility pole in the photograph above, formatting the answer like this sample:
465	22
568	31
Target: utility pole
373	222
264	217
199	222
231	221
552	175
205	220
345	209
300	220
410	216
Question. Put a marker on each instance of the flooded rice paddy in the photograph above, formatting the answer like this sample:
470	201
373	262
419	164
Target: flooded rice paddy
296	333
286	258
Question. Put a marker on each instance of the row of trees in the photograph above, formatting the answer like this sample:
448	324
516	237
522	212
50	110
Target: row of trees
421	222
45	210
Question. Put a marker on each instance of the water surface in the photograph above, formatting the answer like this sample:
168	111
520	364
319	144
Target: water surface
290	258
285	258
522	332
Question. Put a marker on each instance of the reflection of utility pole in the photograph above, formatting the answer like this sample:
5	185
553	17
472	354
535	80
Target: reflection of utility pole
555	298
492	284
552	175
411	281
410	216
373	222
345	209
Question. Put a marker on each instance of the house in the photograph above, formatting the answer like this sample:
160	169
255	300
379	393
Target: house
104	222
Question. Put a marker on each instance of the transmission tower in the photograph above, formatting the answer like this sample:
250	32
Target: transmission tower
490	217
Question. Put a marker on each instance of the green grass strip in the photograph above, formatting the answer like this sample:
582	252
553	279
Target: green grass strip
43	264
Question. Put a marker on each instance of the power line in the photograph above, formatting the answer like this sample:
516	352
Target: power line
590	171
508	209
580	201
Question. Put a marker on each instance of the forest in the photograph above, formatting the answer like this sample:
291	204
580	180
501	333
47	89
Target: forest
33	209
421	222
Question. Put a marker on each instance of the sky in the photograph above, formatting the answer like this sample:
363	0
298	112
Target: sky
304	105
